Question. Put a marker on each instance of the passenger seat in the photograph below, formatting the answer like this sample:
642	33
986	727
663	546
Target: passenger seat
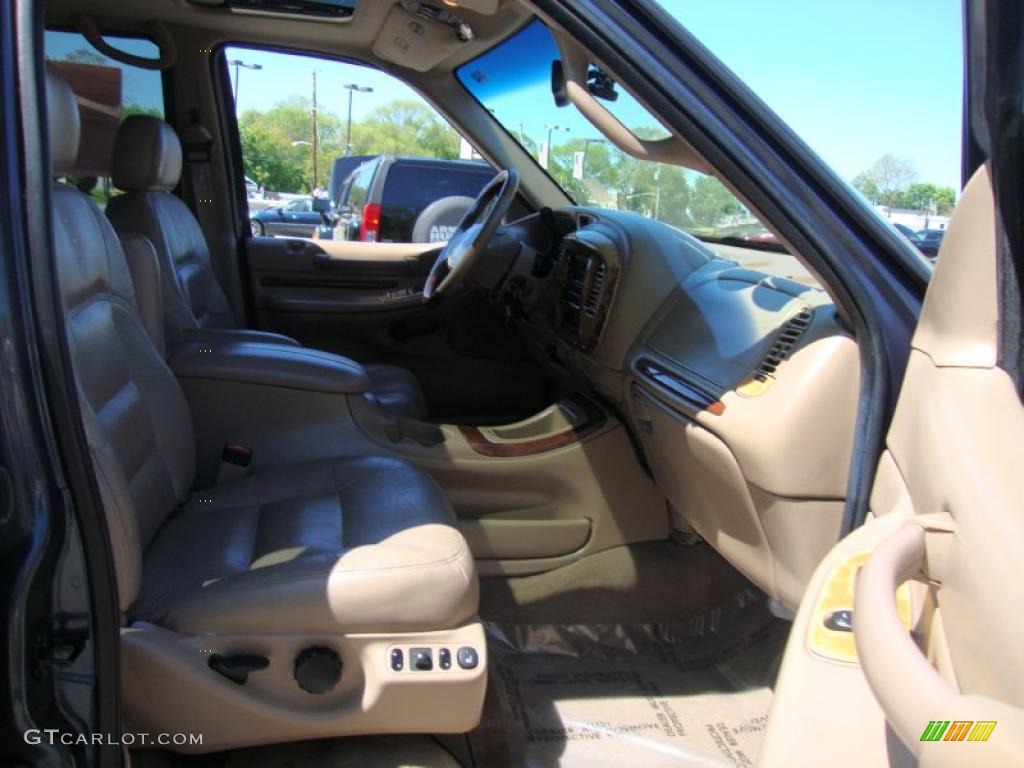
147	166
295	602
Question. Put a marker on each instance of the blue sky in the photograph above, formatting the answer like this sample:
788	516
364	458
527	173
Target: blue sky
854	80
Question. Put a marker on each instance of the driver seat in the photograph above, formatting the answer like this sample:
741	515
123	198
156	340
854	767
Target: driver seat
147	166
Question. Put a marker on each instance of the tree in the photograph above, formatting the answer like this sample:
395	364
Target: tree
267	161
885	180
405	128
927	197
710	201
945	200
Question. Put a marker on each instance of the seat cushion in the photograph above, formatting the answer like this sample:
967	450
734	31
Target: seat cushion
398	390
361	544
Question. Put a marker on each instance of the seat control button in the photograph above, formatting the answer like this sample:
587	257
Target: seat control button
444	659
840	621
421	659
397	659
467	657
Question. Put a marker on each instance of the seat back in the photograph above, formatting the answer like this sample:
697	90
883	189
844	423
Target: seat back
136	419
147	166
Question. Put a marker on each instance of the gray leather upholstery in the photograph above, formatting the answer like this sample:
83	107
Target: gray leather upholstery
62	109
364	543
397	390
144	268
147	164
274	365
234	336
136	418
326	546
192	297
148	155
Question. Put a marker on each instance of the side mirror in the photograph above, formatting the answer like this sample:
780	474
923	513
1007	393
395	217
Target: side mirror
321	204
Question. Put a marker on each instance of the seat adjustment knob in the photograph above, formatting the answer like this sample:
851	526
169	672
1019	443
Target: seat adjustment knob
317	669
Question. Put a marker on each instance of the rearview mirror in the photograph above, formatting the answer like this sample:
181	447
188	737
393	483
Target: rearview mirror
558	89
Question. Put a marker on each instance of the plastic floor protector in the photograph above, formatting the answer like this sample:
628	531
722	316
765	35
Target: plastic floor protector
693	693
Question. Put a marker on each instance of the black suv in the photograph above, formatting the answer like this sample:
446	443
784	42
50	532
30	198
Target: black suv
390	199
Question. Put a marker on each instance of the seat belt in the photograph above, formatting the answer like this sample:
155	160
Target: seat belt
234	462
197	186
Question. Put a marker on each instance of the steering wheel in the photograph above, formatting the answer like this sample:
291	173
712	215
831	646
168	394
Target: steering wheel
470	238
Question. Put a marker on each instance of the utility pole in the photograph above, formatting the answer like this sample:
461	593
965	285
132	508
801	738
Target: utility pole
586	151
314	133
236	63
352	88
551	129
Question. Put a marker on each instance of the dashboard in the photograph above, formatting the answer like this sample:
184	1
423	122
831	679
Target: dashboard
740	388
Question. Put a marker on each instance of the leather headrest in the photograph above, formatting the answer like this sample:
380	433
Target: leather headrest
63	120
147	155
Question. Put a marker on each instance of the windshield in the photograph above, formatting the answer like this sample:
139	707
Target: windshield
514	82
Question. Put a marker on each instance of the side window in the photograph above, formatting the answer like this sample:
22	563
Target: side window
370	145
107	91
359	188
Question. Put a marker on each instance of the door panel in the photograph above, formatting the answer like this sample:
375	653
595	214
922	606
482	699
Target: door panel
364	300
955	439
948	520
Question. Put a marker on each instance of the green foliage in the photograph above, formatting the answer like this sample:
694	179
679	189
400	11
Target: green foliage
405	128
401	127
137	109
891	181
928	197
711	202
885	180
270	164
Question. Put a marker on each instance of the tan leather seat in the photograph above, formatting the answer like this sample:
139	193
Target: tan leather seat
147	166
337	546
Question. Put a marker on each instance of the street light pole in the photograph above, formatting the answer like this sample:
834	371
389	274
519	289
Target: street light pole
551	129
586	151
352	88
313	190
236	63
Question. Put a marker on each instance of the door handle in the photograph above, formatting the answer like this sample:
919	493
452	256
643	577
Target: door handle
909	690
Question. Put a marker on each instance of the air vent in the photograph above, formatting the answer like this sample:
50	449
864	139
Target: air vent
584	220
764	372
600	271
576	277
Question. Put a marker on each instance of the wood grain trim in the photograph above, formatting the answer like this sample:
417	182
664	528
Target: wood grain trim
481	445
679	387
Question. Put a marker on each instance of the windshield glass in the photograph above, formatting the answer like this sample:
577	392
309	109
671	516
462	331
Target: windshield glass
514	82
